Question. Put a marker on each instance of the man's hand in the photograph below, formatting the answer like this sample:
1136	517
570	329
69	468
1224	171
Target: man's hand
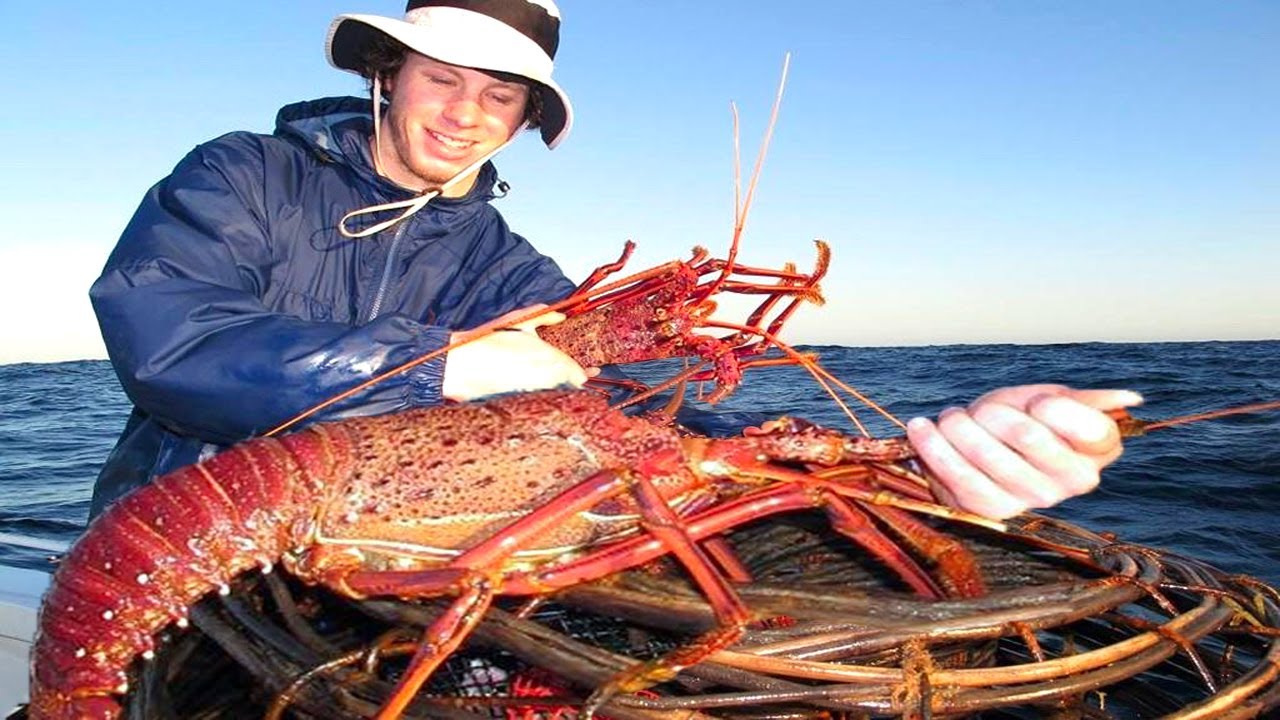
509	360
1022	447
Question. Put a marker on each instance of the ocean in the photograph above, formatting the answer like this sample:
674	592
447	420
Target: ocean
1210	490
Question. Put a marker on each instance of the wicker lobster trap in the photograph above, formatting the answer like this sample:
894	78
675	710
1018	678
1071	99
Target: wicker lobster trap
1076	625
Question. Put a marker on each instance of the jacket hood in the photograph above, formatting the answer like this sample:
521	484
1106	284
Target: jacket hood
337	129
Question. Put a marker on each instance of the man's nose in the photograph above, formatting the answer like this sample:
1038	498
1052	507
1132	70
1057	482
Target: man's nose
462	110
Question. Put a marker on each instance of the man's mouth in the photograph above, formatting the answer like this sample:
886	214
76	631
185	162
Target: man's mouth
450	142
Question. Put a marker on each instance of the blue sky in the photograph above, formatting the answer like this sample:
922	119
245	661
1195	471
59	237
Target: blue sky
1019	171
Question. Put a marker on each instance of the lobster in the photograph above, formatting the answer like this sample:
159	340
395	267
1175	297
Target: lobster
519	495
654	315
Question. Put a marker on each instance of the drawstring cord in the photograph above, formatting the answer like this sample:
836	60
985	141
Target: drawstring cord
377	125
412	205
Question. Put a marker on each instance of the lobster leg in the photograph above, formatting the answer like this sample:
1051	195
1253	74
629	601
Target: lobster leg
722	552
731	352
731	614
605	271
475	576
856	525
956	566
778	499
640	285
798	287
440	641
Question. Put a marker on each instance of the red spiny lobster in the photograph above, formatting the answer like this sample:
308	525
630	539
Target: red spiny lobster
654	315
520	495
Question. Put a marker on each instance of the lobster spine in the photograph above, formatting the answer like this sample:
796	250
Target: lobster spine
154	553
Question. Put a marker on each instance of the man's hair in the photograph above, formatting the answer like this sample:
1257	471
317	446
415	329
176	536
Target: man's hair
386	55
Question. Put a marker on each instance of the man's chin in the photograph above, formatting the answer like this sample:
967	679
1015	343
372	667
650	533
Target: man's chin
436	175
436	181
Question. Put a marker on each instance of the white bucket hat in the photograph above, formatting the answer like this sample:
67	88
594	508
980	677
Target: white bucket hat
512	36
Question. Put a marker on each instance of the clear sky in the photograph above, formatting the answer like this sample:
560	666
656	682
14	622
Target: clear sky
1018	171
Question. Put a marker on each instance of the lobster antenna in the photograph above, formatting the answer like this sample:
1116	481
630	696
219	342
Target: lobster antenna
823	377
737	167
740	209
819	370
764	148
1210	415
681	377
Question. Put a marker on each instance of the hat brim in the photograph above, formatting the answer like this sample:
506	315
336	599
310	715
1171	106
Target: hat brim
463	38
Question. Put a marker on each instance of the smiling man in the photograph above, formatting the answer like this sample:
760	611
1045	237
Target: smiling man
270	272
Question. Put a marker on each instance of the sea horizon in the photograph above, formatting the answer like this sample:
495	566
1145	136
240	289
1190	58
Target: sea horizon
996	343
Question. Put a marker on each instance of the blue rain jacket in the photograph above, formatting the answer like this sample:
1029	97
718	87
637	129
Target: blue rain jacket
232	303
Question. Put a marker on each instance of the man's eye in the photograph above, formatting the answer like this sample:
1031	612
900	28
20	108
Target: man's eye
502	98
441	80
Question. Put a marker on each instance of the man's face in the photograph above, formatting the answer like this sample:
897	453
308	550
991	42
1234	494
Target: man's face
442	118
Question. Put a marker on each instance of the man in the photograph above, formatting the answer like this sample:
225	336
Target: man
268	273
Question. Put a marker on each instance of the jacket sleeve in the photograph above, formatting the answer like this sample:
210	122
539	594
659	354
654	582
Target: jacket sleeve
179	309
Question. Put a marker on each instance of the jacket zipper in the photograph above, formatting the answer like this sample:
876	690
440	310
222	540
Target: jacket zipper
386	271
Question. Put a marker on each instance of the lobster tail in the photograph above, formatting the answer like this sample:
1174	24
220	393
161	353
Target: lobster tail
144	561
